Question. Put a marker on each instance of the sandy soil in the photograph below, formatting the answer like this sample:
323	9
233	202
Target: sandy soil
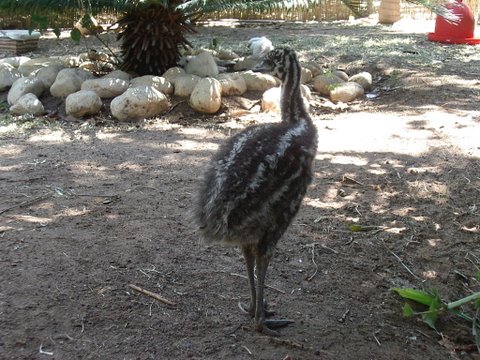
89	207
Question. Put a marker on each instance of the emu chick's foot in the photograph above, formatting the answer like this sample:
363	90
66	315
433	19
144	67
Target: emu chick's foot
250	310
266	326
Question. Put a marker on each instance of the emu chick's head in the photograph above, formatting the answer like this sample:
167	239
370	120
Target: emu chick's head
277	62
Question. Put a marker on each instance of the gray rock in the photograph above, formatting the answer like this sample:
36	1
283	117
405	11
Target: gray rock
69	81
202	65
232	84
8	75
15	61
27	104
49	74
258	81
246	64
30	67
364	79
306	76
24	86
158	82
206	96
71	60
271	99
139	103
83	102
346	92
224	54
341	74
106	87
314	67
259	46
184	84
325	83
118	74
172	73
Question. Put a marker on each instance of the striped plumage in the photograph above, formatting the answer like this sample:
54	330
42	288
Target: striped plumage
257	180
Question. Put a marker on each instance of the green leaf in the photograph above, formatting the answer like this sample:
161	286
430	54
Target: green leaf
57	32
408	311
430	318
477	276
477	304
87	21
476	332
356	227
76	35
419	296
41	21
436	307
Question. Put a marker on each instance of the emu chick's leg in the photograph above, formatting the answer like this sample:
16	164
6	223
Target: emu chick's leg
261	324
262	262
248	254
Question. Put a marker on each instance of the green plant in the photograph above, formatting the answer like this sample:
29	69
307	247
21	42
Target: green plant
435	307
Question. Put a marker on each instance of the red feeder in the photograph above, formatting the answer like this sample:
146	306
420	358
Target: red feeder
455	33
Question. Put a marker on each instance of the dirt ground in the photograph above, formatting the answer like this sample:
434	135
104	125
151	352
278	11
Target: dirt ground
89	207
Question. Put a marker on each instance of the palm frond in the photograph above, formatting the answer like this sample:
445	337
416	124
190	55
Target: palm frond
443	8
32	6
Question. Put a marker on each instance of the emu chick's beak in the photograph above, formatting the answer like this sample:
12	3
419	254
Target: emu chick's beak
263	67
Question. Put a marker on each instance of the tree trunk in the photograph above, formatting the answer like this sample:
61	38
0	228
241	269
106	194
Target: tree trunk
389	11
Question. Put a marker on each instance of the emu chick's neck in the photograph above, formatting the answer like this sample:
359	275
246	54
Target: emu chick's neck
291	102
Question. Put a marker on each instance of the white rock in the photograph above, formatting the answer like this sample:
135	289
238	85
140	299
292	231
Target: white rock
259	46
15	61
224	54
138	103
49	74
341	74
184	84
83	102
172	73
306	76
257	81
315	68
105	87
69	81
202	65
232	84
30	67
27	104
118	74
7	66
8	75
207	96
24	86
158	82
325	83
271	99
245	64
71	60
346	92
364	79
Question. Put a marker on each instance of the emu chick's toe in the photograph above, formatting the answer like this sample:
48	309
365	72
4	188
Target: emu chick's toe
266	326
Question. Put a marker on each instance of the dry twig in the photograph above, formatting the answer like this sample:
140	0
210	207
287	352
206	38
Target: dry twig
27	203
151	294
405	266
